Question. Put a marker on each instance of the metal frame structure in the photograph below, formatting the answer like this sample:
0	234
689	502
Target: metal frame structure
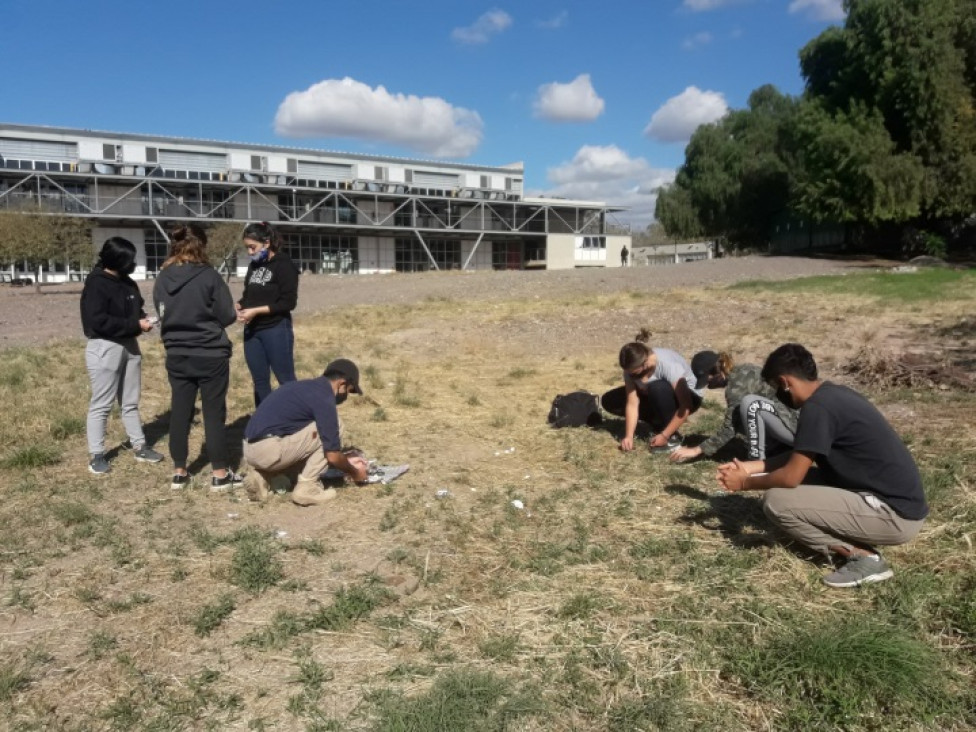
153	195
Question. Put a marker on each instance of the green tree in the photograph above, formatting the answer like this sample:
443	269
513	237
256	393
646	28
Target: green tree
224	245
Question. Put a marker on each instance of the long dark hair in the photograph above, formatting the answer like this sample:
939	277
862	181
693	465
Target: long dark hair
188	244
261	231
635	353
118	255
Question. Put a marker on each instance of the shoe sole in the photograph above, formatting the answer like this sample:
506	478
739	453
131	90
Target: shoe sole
870	579
98	472
147	460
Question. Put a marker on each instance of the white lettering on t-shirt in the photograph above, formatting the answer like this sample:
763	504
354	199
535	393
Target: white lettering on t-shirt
260	276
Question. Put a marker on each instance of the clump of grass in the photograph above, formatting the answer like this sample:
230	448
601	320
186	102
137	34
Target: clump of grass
373	378
255	565
66	427
458	700
837	675
12	680
34	456
402	396
520	372
499	647
210	616
379	415
100	643
580	606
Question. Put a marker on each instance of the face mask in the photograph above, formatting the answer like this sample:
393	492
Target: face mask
259	256
340	398
786	397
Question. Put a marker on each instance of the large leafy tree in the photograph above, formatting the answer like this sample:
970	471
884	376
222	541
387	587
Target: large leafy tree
40	237
910	63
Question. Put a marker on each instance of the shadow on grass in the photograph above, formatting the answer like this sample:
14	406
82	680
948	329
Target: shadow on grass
158	428
740	519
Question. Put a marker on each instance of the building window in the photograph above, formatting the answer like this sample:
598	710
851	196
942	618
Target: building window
411	257
157	249
323	253
506	255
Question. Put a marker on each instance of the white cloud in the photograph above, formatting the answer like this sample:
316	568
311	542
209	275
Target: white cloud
680	116
576	101
481	31
697	41
819	9
699	6
556	21
609	174
349	108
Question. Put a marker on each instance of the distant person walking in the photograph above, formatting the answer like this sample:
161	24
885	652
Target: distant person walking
195	306
270	295
624	254
112	317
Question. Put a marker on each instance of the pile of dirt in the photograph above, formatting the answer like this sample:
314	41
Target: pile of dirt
886	370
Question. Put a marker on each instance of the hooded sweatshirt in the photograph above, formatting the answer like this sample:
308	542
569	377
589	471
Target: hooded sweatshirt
111	306
194	306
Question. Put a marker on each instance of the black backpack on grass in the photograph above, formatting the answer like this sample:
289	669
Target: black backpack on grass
576	409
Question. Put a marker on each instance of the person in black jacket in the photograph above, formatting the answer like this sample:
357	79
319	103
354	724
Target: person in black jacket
195	306
112	317
270	294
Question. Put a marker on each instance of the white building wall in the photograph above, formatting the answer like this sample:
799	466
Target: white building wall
136	236
560	251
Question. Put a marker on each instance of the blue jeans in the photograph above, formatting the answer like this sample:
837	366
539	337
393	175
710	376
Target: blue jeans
267	350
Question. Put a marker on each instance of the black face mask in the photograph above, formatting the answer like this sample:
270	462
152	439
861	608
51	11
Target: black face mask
786	397
340	398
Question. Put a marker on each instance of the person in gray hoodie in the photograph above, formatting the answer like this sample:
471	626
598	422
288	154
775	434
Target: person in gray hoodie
195	306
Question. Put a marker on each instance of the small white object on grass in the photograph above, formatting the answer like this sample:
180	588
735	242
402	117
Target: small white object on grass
517	504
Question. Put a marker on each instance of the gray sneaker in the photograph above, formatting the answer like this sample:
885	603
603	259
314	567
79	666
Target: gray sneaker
674	442
99	465
860	571
146	454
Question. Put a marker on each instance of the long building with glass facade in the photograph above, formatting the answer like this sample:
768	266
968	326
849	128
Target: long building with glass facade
335	212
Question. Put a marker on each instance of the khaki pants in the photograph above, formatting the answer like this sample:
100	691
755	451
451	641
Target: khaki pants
821	516
299	454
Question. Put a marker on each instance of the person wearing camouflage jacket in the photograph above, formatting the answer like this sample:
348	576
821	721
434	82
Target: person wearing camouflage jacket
753	409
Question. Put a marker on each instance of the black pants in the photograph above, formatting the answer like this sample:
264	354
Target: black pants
211	377
657	406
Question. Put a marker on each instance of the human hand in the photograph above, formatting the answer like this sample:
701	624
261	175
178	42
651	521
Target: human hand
732	476
683	454
360	469
627	444
146	324
246	315
659	440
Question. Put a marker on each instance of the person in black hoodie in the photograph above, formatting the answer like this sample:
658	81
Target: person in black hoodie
195	306
112	317
270	294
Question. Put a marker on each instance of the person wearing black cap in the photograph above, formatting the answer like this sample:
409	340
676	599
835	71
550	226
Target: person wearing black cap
752	410
296	429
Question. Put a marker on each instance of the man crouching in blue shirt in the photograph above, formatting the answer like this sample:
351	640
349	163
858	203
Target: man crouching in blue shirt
296	430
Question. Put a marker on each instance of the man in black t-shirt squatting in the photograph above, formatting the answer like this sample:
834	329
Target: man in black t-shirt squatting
865	490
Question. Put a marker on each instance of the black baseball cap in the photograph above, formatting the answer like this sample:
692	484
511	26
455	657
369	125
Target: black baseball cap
702	366
347	370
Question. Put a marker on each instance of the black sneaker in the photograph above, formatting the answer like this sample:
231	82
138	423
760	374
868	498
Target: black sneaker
99	465
228	482
146	454
180	481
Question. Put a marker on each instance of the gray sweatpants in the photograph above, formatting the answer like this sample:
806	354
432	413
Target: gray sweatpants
115	372
822	516
762	425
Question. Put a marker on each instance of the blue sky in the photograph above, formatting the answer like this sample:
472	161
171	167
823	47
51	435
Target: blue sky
597	99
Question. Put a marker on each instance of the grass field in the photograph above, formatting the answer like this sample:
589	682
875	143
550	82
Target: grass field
626	594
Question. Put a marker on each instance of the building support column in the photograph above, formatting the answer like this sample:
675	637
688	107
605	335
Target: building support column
473	250
424	245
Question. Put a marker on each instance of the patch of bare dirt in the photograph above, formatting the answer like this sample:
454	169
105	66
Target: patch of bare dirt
31	319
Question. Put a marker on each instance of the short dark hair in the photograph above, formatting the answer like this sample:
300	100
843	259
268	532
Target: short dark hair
118	255
261	231
790	359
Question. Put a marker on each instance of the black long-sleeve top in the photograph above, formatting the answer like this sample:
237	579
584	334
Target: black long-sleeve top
274	283
111	306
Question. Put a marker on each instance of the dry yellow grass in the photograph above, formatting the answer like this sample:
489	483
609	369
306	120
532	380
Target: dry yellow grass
620	581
